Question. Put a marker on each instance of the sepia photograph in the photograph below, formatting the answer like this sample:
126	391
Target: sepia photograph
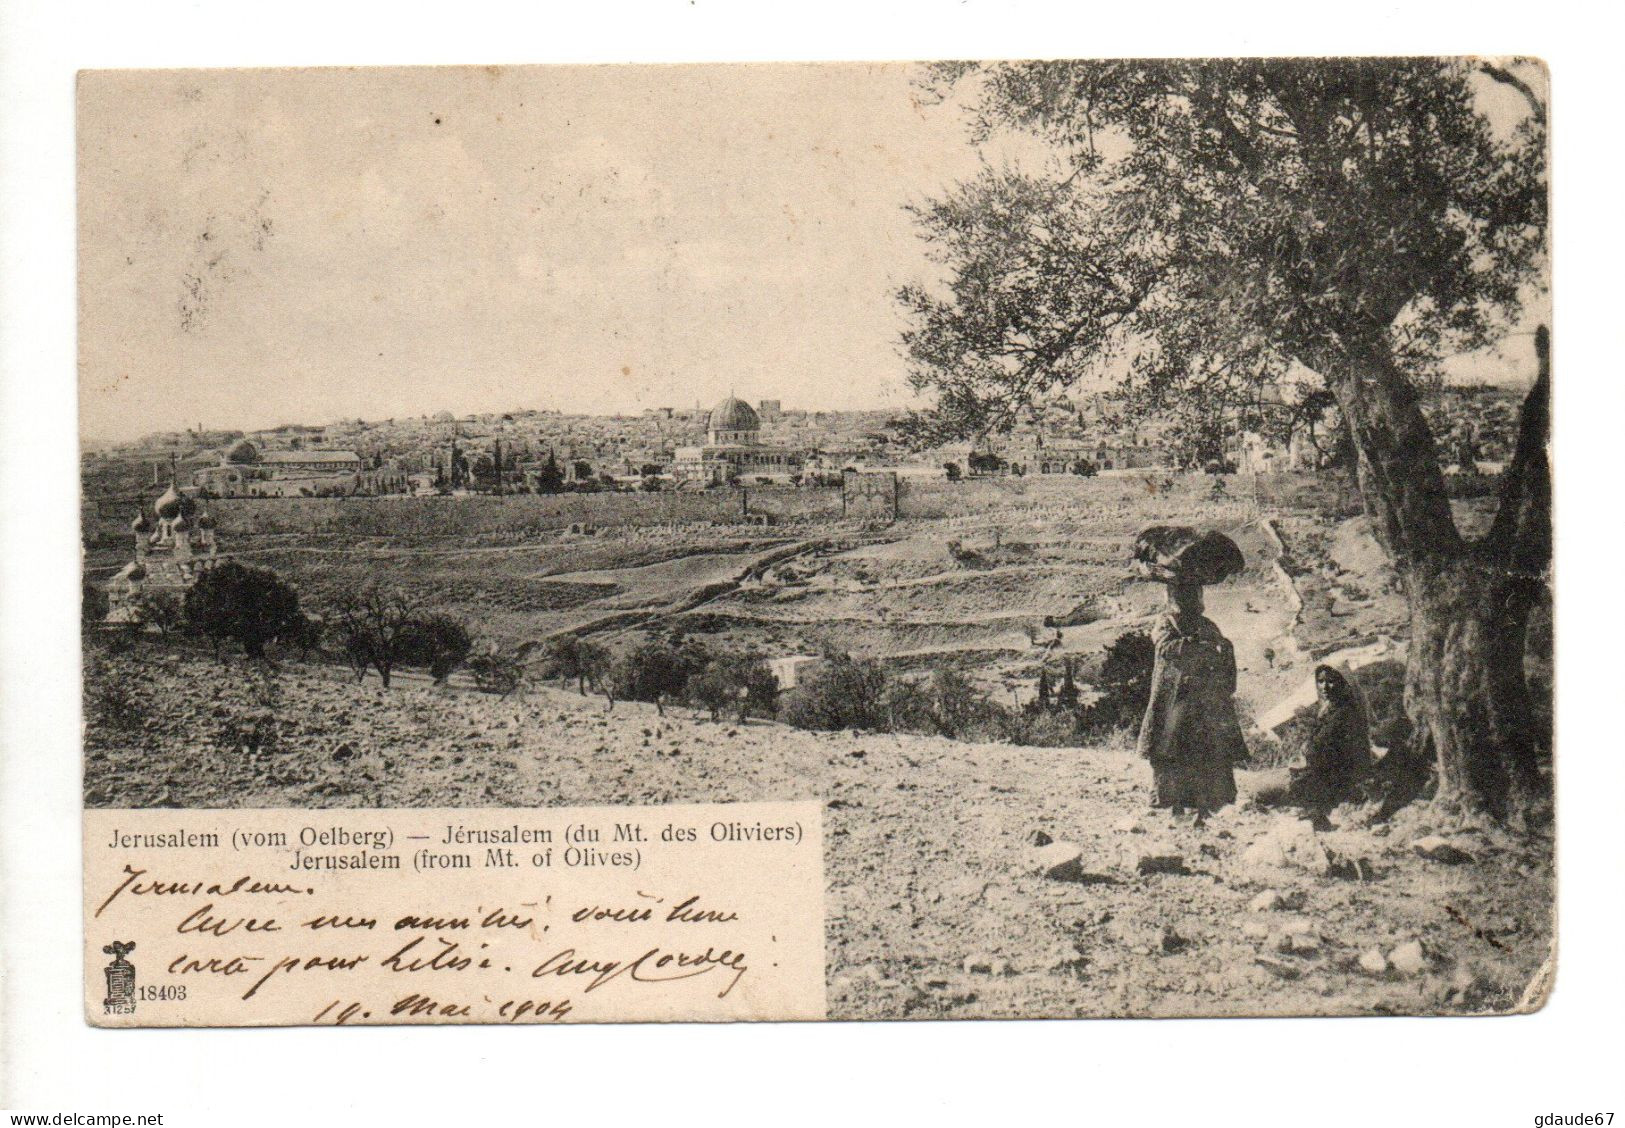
1113	495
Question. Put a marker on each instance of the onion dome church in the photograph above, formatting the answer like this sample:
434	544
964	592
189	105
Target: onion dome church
174	545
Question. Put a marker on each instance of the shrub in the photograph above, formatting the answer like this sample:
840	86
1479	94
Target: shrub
844	692
1125	676
739	680
438	643
251	606
656	670
92	605
496	670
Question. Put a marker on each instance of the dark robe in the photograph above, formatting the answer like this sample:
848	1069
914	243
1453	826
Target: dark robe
1190	732
1337	757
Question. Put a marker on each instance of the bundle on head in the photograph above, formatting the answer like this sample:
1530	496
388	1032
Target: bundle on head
1179	554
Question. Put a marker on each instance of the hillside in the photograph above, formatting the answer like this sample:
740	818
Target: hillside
934	909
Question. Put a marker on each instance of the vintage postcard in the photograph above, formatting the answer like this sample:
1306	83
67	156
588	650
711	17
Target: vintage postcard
820	541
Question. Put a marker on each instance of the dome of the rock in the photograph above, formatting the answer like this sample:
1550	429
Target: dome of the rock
734	415
242	452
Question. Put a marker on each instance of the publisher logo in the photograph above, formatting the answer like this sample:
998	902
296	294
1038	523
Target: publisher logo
120	979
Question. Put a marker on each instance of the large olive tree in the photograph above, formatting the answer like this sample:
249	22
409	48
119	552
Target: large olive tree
1207	227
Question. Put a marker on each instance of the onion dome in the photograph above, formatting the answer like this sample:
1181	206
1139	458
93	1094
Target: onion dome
189	505
141	524
136	574
168	505
734	415
181	524
205	521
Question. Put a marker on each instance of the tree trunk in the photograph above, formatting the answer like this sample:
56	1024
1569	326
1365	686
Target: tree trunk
1465	690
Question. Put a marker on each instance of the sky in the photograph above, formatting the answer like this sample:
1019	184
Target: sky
261	247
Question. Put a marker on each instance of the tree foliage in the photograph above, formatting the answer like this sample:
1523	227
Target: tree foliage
375	628
237	603
1211	223
436	642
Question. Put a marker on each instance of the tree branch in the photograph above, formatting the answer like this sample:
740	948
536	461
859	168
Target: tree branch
1520	538
1501	74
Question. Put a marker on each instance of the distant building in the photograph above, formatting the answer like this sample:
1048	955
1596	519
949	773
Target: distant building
791	670
734	450
247	471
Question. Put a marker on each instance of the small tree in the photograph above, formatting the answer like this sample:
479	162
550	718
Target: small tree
563	660
1067	696
596	667
251	606
1085	468
549	478
375	626
437	642
952	470
1045	692
162	610
652	671
711	689
739	680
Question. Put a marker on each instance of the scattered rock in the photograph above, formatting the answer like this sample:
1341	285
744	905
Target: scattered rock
1289	843
1172	941
1059	861
1255	929
986	965
1408	958
1278	969
1348	868
1129	825
1039	838
1267	901
1063	861
1437	849
1161	863
343	752
1373	962
1209	850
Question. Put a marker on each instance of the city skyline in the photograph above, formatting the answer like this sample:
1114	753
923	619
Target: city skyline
273	246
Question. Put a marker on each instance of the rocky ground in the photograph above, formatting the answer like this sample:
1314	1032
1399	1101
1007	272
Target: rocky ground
964	880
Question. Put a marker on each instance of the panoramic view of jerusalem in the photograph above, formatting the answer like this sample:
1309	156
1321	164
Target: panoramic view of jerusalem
1112	572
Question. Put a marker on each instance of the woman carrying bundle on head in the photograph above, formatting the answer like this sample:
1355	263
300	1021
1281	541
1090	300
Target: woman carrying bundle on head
1190	733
